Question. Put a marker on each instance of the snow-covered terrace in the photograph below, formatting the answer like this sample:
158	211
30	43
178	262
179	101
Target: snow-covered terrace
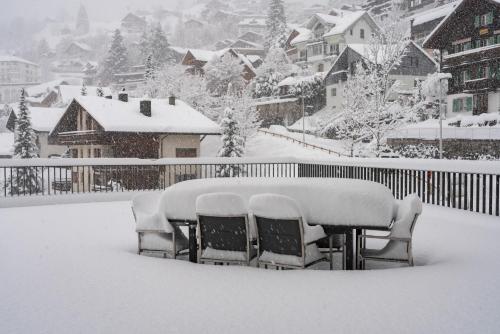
74	268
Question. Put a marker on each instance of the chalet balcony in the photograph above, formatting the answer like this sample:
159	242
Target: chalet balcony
471	56
475	86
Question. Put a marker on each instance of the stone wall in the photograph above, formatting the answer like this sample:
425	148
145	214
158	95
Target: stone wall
454	148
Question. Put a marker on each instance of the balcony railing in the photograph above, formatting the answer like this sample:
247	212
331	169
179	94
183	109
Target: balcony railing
466	185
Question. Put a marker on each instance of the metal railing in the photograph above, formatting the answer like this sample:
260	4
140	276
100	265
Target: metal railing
472	186
472	133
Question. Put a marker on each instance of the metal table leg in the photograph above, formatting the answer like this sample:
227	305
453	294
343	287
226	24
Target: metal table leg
349	249
356	260
193	249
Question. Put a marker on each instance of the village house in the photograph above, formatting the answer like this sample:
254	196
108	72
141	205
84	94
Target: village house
423	23
324	36
196	59
44	94
96	127
415	66
16	73
66	93
254	24
78	50
130	80
469	41
132	23
43	121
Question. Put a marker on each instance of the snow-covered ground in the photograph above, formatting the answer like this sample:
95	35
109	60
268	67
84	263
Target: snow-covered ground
73	269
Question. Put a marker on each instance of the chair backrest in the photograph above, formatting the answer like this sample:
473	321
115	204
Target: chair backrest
408	211
147	202
279	224
223	222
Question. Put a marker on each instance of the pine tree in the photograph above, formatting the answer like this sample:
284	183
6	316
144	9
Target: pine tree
276	25
232	144
83	91
116	60
222	71
275	68
99	92
160	48
26	179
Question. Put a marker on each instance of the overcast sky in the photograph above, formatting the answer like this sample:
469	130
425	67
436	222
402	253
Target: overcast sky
98	9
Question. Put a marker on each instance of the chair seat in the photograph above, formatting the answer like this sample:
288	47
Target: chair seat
312	255
226	255
161	241
395	250
151	222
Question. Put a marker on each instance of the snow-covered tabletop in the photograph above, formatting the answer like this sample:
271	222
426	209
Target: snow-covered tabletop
342	202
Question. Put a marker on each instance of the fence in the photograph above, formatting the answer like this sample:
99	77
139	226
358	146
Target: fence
472	133
462	185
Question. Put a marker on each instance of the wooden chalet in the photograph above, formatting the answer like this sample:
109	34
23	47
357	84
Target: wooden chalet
97	127
469	41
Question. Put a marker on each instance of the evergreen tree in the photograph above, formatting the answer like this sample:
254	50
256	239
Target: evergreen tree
276	35
99	92
26	179
116	60
232	144
275	68
159	47
83	91
220	72
145	44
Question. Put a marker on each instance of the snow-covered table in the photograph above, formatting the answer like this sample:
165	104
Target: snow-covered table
344	204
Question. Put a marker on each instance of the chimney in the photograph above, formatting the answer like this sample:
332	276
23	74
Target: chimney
109	97
145	107
171	100
123	97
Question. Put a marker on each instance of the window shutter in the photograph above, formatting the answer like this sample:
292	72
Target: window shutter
477	20
491	40
469	103
455	105
489	18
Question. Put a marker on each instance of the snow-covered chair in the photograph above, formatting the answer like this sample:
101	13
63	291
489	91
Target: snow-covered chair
155	234
285	240
399	245
224	229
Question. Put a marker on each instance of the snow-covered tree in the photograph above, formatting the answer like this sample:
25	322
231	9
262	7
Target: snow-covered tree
116	60
276	67
433	89
276	34
311	89
83	90
245	112
99	92
232	143
24	180
222	71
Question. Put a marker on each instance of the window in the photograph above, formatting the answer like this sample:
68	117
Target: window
362	33
350	32
97	152
333	92
321	67
463	104
185	153
74	153
482	20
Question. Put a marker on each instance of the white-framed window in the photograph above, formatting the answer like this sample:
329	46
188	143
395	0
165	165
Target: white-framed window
333	92
362	33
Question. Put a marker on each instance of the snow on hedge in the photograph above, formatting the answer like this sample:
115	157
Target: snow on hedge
74	268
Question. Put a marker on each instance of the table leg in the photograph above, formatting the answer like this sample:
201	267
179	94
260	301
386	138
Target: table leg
193	249
358	232
349	249
330	243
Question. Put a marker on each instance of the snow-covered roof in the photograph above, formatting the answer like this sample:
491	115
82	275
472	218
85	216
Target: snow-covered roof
303	36
81	45
16	59
117	116
42	119
294	80
68	92
253	58
206	55
433	14
43	88
253	22
344	21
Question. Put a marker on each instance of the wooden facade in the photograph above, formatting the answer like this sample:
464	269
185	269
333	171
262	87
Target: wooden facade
469	41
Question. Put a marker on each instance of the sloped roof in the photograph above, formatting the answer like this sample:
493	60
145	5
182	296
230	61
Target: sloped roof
16	59
44	88
68	92
433	14
42	119
117	116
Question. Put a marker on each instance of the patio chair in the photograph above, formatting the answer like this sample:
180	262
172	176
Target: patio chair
399	245
224	229
285	240
156	237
